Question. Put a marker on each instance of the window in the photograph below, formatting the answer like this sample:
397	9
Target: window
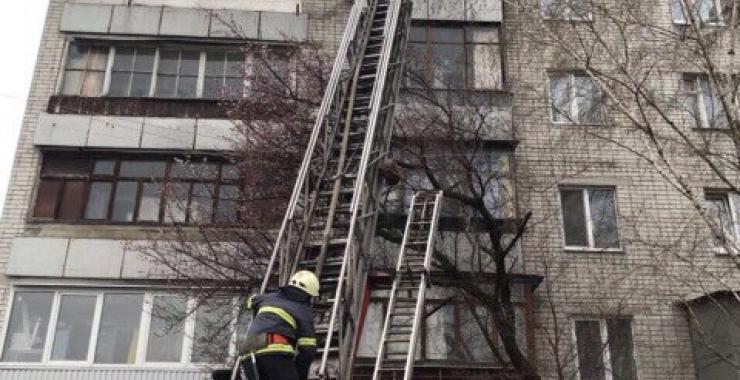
706	11
224	75
702	103
589	218
722	208
27	328
575	98
119	327
122	189
454	58
565	9
143	71
604	349
85	71
132	72
715	335
449	332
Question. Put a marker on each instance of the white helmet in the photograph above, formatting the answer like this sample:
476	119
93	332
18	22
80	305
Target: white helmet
306	281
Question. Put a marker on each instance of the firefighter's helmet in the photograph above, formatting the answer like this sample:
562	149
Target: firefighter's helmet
306	281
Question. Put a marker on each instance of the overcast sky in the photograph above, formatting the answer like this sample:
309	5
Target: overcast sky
21	23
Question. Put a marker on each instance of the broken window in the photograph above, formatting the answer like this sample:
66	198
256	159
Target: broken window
575	98
589	218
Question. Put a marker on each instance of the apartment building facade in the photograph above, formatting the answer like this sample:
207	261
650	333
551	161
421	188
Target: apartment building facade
124	90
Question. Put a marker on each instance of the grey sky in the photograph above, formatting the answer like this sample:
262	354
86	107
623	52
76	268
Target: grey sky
21	23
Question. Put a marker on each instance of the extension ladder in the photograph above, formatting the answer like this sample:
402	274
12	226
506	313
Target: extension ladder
406	302
330	222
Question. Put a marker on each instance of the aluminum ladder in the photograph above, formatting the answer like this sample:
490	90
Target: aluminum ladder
330	222
397	348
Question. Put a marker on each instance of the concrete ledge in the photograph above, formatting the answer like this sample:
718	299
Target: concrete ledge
88	18
135	20
458	10
86	131
271	24
41	257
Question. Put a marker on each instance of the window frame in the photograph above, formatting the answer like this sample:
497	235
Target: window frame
703	122
584	189
152	93
574	109
605	343
732	208
687	20
466	43
165	182
142	336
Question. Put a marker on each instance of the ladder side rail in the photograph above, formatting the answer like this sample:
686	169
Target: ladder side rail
389	32
392	298
421	300
377	95
433	230
337	70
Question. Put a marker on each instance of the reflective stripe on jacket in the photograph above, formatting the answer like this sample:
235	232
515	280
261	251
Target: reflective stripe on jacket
286	312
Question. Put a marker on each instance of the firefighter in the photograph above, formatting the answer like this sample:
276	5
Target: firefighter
281	340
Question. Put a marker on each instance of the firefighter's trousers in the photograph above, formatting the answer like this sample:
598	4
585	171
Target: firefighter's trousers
271	367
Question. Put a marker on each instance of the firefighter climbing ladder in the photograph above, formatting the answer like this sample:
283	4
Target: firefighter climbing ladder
406	302
330	221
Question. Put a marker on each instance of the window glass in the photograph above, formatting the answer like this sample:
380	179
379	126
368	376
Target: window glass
27	327
448	62
472	345
223	75
73	200
177	202
590	350
718	208
124	202
142	169
67	165
372	330
119	329
561	97
603	218
440	334
201	203
97	201
150	201
73	328
166	329
229	172
620	349
588	100
194	170
213	321
131	74
104	167
46	198
85	71
228	204
574	218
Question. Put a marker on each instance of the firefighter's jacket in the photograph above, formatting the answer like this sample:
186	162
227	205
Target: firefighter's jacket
286	312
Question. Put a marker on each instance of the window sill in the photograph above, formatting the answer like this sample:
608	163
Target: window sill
577	250
703	129
83	366
567	18
569	124
111	224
